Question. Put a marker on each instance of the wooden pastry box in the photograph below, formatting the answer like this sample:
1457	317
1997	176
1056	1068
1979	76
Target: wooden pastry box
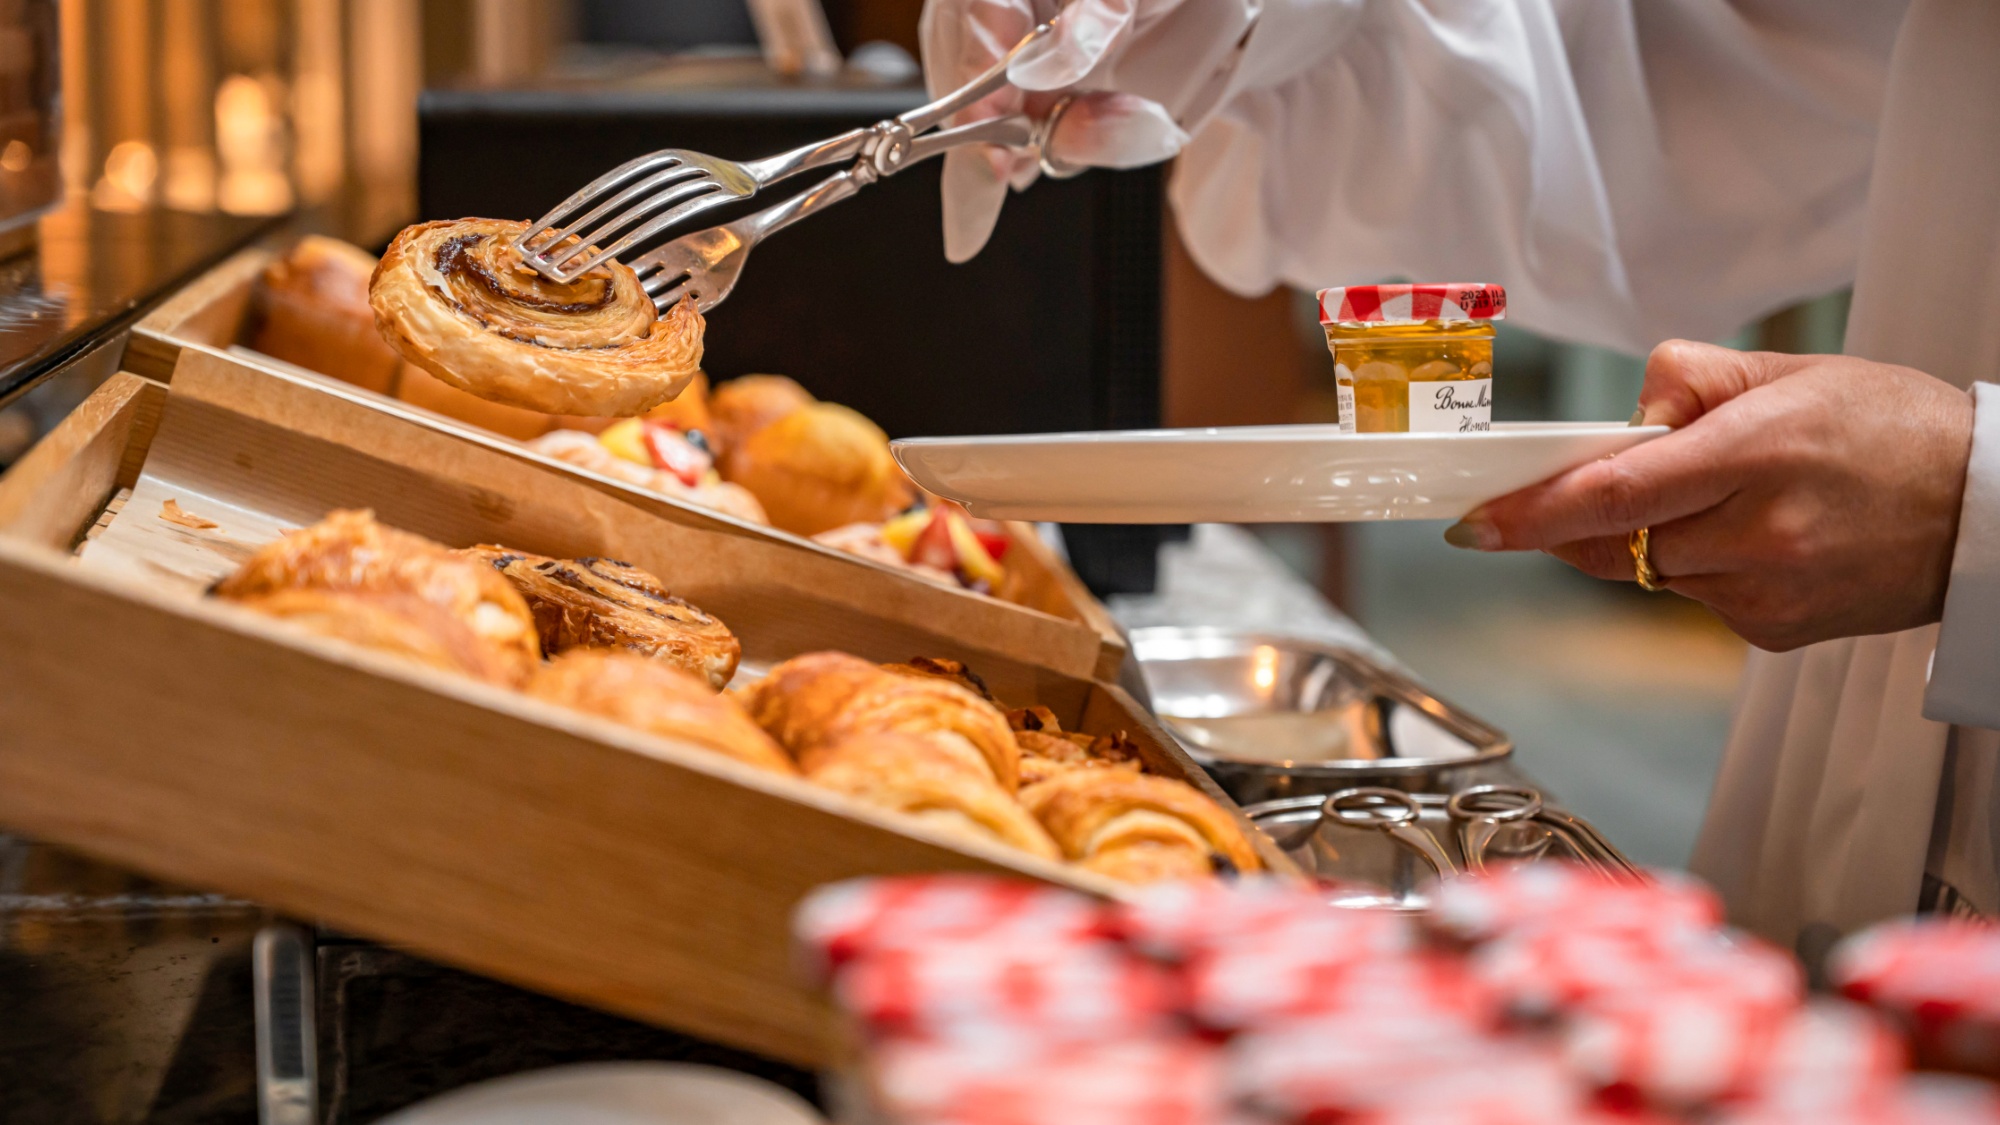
198	742
213	316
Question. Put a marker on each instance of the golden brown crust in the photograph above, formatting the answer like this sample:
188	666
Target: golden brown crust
748	403
820	467
455	299
910	775
1036	718
944	668
604	603
418	387
1047	749
398	624
1133	826
656	697
824	698
350	551
1149	862
313	311
1044	755
689	409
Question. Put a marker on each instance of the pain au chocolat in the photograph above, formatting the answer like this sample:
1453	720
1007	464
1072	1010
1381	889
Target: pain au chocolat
604	603
456	299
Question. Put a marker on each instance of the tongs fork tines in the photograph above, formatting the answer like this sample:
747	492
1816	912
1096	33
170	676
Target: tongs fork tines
639	199
707	263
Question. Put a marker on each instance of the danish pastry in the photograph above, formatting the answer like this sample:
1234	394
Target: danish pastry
656	697
1045	755
586	452
911	775
455	299
604	603
313	311
1138	828
349	551
824	698
1047	749
398	624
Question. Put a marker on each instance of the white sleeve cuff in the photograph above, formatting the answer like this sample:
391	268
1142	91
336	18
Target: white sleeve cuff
1965	669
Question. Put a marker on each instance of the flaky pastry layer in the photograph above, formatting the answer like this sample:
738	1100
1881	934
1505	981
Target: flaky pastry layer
456	300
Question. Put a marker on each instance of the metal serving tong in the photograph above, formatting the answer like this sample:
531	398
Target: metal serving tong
1481	817
636	201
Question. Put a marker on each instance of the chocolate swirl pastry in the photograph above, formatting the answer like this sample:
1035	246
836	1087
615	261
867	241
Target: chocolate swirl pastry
455	299
603	603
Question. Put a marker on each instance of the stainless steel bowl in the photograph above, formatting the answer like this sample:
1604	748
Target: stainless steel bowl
1272	716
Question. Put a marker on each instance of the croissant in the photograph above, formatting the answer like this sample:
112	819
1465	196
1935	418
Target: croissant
823	698
456	300
911	775
1137	828
657	698
399	624
349	551
604	603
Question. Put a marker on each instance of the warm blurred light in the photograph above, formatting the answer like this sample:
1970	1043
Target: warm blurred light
319	125
1264	668
127	184
190	183
16	156
250	138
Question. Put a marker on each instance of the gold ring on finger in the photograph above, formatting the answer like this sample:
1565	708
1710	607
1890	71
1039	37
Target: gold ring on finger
1642	561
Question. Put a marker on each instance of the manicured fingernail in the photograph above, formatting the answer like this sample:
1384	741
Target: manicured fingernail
1473	534
1638	417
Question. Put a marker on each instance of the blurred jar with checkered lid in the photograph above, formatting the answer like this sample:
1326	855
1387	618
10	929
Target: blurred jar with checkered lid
1413	358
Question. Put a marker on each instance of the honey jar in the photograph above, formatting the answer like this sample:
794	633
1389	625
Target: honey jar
1413	358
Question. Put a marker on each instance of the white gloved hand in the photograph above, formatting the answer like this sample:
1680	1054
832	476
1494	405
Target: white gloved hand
1107	123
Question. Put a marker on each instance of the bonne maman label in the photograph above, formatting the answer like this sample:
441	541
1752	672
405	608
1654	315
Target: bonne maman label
1454	407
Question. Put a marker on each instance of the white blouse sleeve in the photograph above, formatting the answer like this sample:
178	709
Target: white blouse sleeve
1631	170
1965	668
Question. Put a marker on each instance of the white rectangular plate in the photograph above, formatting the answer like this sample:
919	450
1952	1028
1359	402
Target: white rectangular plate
1252	474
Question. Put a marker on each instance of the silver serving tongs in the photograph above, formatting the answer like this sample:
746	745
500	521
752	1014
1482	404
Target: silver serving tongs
1393	813
1482	812
1482	815
640	199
